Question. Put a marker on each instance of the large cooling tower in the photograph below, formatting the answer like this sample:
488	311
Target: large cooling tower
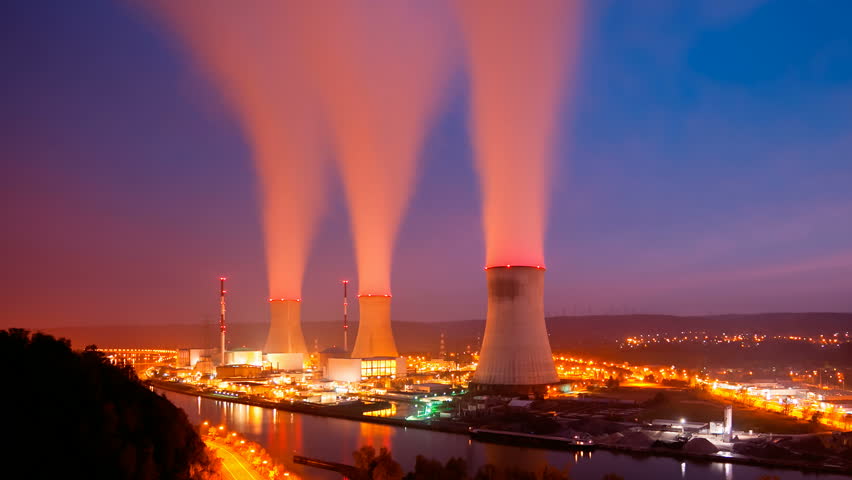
375	337
285	327
515	355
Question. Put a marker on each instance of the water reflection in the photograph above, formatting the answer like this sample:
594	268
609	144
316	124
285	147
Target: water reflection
376	435
284	434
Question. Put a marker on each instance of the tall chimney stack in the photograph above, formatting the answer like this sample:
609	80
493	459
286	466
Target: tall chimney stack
222	327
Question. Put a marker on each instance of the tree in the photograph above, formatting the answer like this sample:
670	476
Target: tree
486	472
612	476
376	467
612	382
816	417
786	405
427	469
102	421
364	458
386	468
456	469
516	473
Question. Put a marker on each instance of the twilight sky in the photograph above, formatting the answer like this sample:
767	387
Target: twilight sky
704	166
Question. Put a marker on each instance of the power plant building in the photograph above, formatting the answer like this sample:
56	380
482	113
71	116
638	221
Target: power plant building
285	361
244	356
237	371
515	355
189	357
357	369
344	369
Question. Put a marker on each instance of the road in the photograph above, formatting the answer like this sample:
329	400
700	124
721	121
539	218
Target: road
234	467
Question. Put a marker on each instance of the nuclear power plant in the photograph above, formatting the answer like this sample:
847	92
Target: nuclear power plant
375	336
515	355
285	327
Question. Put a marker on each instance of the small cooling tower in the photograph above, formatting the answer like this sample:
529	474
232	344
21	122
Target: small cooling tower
375	337
285	327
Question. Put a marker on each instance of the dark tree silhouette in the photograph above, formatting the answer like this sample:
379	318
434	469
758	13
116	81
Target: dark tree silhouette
75	415
372	466
486	472
431	469
456	469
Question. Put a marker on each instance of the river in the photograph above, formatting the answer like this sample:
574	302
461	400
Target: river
284	434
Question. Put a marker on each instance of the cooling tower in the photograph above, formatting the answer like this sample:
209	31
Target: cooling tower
515	355
375	337
285	327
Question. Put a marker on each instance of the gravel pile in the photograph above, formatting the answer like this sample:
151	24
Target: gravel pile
636	440
700	446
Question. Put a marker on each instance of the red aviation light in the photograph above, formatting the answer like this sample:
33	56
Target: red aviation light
285	299
539	267
374	295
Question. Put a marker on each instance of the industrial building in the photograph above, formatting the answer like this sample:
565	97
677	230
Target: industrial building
189	357
244	356
354	370
237	371
285	362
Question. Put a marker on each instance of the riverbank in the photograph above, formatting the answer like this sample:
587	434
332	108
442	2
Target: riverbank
346	412
455	428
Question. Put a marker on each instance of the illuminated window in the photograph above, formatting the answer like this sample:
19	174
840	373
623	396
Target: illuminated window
378	367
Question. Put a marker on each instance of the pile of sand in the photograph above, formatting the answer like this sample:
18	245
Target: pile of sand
763	449
611	439
807	444
635	440
700	446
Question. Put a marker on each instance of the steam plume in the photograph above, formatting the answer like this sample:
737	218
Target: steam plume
380	67
521	56
255	58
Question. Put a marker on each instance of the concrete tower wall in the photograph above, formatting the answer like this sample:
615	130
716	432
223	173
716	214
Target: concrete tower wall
285	327
515	349
375	337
